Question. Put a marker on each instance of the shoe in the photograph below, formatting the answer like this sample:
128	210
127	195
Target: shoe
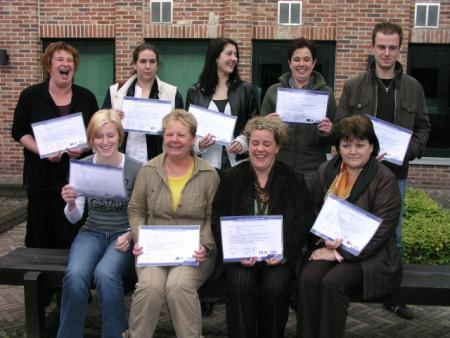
400	310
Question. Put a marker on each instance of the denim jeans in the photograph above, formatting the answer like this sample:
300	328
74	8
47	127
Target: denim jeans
93	257
398	230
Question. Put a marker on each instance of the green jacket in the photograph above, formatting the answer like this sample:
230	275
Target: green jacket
307	146
359	96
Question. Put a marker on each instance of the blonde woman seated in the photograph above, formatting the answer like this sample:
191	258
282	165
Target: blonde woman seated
101	252
174	188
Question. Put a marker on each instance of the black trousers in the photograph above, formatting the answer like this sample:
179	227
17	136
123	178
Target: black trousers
258	299
324	293
47	226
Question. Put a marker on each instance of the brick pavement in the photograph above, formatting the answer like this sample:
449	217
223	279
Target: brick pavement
365	320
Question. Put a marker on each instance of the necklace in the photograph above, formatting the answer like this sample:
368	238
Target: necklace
386	88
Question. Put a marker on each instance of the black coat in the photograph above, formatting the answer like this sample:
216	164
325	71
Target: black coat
35	105
288	197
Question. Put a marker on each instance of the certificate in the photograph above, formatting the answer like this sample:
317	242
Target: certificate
251	236
215	123
394	140
301	106
96	180
339	219
144	115
59	134
168	245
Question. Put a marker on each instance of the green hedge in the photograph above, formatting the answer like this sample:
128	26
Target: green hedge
426	230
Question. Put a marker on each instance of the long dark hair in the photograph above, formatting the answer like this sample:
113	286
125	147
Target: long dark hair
208	78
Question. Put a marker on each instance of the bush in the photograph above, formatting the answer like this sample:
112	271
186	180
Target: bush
426	230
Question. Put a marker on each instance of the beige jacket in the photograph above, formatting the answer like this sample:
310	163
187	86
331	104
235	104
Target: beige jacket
151	200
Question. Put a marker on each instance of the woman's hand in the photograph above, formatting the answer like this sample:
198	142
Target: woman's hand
323	254
69	195
333	245
380	157
200	254
249	262
55	158
137	250
325	125
206	141
123	242
274	260
274	115
235	147
75	152
121	114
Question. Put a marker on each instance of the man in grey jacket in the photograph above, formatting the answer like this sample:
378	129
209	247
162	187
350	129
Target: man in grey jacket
386	92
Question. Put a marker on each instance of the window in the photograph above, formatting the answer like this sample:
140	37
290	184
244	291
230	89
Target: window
289	12
428	63
426	15
161	11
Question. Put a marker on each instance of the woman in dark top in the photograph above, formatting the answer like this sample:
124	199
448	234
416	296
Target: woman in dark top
332	274
43	179
259	291
221	89
143	84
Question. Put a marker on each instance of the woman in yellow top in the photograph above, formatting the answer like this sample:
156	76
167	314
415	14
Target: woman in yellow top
174	188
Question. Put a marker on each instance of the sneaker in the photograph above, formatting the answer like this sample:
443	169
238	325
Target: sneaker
400	310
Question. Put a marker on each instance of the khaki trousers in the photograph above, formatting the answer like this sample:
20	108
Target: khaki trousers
177	286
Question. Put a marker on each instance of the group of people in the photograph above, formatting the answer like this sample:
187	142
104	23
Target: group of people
270	168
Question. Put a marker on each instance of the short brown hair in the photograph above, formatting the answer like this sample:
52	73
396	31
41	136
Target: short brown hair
277	127
387	28
356	126
51	49
99	119
184	117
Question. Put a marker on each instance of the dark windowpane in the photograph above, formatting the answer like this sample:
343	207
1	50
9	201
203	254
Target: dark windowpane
432	16
421	13
284	13
156	11
295	13
167	11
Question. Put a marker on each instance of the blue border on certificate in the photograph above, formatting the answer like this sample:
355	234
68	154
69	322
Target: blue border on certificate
106	167
60	118
222	115
153	101
359	210
247	218
312	92
170	228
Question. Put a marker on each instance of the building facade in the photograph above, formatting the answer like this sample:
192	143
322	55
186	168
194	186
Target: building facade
106	32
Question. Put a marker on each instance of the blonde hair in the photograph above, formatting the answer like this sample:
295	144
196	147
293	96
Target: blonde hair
99	119
51	49
182	116
277	127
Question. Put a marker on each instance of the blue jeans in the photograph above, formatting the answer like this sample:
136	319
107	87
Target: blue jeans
398	230
94	257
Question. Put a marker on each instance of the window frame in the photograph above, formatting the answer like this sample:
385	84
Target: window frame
427	5
290	3
161	11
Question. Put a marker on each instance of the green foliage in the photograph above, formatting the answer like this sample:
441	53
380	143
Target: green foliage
426	230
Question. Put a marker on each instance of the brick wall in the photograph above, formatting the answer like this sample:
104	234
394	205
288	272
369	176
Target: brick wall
348	22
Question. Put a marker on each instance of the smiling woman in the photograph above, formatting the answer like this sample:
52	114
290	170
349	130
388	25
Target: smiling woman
57	96
258	292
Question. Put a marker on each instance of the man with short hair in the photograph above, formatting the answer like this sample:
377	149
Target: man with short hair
386	92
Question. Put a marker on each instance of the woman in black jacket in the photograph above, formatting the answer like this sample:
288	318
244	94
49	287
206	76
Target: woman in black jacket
221	89
258	291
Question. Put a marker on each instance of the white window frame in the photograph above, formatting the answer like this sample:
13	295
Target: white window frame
161	12
290	2
427	5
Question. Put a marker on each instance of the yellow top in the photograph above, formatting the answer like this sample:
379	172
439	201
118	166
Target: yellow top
176	185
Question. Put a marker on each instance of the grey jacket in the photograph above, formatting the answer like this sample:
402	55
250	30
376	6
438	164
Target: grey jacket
359	96
307	146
